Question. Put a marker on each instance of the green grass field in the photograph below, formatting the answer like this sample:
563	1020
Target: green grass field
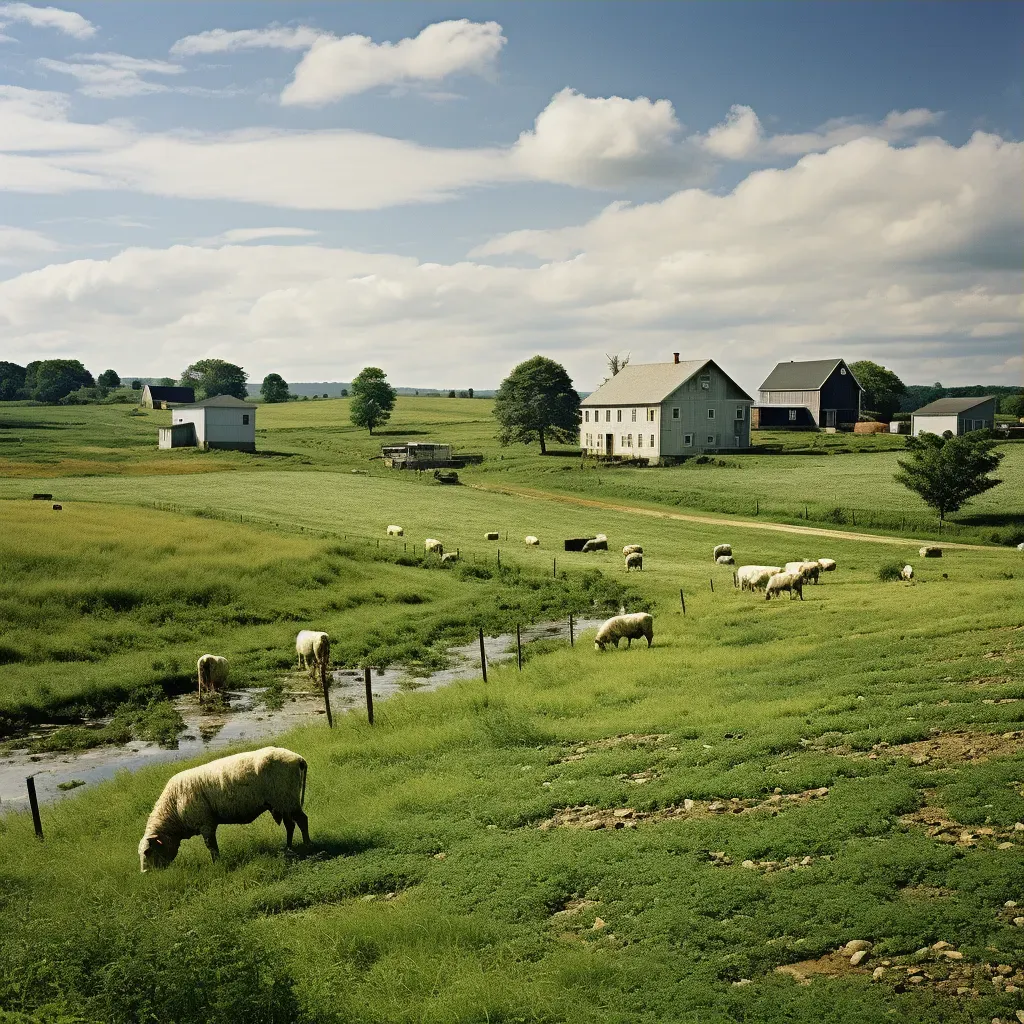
853	762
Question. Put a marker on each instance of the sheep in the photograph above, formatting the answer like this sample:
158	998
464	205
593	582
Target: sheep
807	569
449	556
930	551
597	544
396	531
791	581
491	535
232	790
634	560
430	544
753	577
632	549
827	564
907	572
722	549
531	541
212	671
625	627
314	651
1020	546
725	560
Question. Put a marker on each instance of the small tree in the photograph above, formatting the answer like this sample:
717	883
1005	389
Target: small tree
948	472
373	398
108	379
344	392
167	382
469	392
274	388
12	380
1013	405
617	362
882	388
451	394
537	401
136	385
211	377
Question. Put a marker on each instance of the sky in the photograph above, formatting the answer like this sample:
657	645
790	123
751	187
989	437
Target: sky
446	189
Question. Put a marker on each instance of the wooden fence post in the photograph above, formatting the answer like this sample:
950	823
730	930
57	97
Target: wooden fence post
369	693
519	648
33	803
554	568
682	600
712	584
572	638
499	558
325	680
483	656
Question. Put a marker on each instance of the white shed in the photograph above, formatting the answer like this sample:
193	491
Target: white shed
220	422
957	415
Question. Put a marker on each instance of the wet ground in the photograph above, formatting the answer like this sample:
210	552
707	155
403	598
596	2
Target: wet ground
247	719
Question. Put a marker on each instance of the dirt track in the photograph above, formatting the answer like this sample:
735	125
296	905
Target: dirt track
809	531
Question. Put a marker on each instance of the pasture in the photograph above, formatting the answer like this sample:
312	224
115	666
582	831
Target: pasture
628	835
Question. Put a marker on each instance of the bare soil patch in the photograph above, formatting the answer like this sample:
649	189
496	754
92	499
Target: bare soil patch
630	739
937	823
948	747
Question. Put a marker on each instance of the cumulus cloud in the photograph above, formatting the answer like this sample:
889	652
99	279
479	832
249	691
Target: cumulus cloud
112	75
68	22
219	40
334	68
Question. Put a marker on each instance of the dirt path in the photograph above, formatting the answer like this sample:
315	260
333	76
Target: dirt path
809	531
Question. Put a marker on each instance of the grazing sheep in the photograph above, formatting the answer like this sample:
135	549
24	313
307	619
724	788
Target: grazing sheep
433	545
626	627
808	570
631	549
449	556
314	651
791	581
212	671
930	551
396	531
753	577
232	790
531	541
907	572
725	560
491	536
1020	546
597	544
721	549
634	560
827	564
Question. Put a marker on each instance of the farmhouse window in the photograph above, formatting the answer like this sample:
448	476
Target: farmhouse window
639	440
687	440
634	415
245	418
629	440
675	414
650	415
618	415
623	441
792	415
739	412
586	416
607	415
711	438
711	414
652	440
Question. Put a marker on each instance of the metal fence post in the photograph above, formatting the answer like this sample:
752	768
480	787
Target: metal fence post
483	656
33	803
519	648
369	693
682	600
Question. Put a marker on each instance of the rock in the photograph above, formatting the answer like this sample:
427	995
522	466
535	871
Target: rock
748	864
623	812
1018	826
599	923
1020	1016
861	954
919	759
806	861
856	945
942	944
1005	846
916	979
688	804
1019	922
962	990
952	954
716	807
440	856
878	974
742	981
1010	904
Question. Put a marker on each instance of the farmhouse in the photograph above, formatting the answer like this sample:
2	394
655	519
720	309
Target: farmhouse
958	415
220	422
809	394
155	396
665	411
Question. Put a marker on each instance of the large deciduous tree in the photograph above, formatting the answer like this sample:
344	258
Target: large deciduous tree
12	380
537	402
50	380
373	398
108	379
882	388
211	377
274	388
948	472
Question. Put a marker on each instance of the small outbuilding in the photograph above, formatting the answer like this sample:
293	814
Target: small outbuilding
156	396
958	415
220	422
807	395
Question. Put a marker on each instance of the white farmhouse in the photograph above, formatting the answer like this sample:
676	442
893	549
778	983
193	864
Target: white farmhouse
666	411
219	422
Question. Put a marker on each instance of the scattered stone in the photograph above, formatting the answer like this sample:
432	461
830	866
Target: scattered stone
877	974
942	944
716	807
440	856
1005	846
860	955
742	981
748	864
1009	904
1019	922
688	805
623	812
598	924
856	946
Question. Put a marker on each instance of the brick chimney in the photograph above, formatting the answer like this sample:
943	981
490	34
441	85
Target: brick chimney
675	357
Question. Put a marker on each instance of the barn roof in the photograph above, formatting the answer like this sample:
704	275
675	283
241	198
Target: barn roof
228	401
649	383
808	375
163	393
948	406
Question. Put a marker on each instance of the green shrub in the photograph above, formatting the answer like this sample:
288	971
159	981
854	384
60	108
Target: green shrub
890	572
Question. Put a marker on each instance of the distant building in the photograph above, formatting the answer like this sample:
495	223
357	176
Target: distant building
156	396
221	422
809	394
958	415
665	411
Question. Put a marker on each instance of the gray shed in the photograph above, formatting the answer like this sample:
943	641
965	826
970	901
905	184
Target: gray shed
959	415
220	422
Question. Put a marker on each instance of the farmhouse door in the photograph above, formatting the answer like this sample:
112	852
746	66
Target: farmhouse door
608	442
830	417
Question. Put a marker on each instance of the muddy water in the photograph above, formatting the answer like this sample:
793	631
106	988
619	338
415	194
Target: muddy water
247	719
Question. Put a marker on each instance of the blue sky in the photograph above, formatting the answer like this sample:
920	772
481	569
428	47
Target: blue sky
444	189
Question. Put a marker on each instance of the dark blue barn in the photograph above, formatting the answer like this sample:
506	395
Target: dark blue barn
807	395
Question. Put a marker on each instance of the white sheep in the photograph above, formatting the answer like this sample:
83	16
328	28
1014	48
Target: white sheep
232	790
807	569
632	549
314	651
596	544
791	581
212	672
634	560
626	627
491	535
930	551
907	572
1020	546
725	560
531	541
396	531
722	549
827	564
753	577
432	545
449	556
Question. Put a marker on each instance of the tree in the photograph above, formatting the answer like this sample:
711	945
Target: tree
212	377
537	401
50	380
12	380
469	392
373	398
274	388
882	388
1013	405
451	394
617	362
136	385
344	392
948	472
167	382
108	379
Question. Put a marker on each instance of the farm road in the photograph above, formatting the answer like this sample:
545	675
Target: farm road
810	531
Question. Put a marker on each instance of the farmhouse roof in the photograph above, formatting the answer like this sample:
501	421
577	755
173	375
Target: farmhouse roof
221	401
948	406
163	393
808	375
649	383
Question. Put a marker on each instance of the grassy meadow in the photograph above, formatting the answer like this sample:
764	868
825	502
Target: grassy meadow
686	834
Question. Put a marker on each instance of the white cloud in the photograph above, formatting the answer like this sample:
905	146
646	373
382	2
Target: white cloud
258	234
737	137
112	75
68	22
33	120
221	40
24	240
334	68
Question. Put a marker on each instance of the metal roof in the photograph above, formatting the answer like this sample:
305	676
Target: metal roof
809	375
166	393
649	383
223	401
948	406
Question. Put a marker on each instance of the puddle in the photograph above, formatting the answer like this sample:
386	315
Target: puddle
247	719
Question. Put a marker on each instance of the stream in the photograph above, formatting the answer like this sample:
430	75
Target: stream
247	719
